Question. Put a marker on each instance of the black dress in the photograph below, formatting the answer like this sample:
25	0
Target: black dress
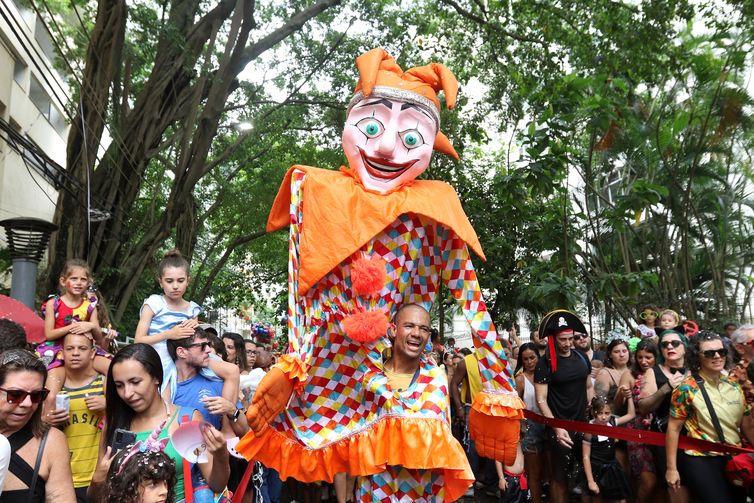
607	473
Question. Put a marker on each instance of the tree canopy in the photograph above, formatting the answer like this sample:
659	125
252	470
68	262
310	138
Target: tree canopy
605	146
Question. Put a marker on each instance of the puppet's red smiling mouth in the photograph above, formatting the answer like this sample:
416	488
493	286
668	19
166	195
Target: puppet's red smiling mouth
382	168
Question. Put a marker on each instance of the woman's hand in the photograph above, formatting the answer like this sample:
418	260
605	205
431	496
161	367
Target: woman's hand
563	438
673	478
594	487
214	440
103	467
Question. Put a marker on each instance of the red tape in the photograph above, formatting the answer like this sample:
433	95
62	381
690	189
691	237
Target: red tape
633	435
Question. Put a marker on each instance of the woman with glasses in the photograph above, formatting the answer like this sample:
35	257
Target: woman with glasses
33	476
657	387
710	407
134	403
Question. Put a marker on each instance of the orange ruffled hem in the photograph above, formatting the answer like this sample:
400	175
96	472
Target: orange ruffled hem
495	425
418	443
295	370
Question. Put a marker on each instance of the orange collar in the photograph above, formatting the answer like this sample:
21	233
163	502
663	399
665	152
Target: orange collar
340	216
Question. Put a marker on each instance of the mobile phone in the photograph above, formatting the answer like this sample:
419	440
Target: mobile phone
123	438
63	402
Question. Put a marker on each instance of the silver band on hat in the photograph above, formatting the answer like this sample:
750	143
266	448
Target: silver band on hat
400	95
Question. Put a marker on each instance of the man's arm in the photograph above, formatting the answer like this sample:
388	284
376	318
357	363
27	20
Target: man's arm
589	388
561	435
455	382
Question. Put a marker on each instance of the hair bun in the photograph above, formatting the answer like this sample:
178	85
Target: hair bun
175	252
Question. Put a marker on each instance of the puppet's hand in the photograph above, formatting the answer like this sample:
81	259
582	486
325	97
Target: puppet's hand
270	398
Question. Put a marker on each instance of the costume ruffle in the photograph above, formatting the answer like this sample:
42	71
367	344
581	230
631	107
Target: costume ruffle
420	443
295	370
495	424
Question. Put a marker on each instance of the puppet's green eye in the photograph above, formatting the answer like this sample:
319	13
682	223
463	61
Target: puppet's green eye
371	127
412	138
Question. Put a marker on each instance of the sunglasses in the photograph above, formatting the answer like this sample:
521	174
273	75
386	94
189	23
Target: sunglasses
712	353
578	337
669	344
17	396
644	315
202	345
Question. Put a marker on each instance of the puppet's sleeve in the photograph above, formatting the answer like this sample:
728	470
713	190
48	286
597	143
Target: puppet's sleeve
294	362
497	410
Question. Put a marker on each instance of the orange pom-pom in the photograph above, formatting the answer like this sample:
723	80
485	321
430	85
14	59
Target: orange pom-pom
368	276
365	326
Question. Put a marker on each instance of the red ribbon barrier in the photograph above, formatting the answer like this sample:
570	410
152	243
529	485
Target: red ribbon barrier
633	435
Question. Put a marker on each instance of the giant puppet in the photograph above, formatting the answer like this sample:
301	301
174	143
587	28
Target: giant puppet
364	241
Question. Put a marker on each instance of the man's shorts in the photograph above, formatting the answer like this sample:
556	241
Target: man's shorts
532	437
564	462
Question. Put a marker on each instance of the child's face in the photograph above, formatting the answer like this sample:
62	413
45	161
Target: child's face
649	316
667	321
153	491
77	281
603	416
174	282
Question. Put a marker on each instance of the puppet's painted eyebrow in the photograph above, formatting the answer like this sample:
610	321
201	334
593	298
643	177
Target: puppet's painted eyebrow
382	101
411	105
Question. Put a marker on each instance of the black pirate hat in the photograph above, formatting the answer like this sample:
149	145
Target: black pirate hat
555	322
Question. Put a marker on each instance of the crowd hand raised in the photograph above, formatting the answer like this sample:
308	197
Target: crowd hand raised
563	437
214	440
218	405
180	331
57	417
100	473
95	403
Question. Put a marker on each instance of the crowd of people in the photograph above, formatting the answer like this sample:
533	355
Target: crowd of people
110	414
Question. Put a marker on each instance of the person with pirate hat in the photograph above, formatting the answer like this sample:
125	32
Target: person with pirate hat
365	242
563	388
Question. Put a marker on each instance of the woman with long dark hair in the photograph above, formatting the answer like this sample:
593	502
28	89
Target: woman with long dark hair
235	347
640	457
134	403
532	434
33	444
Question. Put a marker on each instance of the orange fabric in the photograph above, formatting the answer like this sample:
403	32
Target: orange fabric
378	68
270	398
410	442
341	216
495	424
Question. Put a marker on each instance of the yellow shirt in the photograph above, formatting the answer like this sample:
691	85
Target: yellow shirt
83	432
398	382
473	379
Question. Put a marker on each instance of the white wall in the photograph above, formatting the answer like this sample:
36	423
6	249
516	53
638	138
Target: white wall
32	97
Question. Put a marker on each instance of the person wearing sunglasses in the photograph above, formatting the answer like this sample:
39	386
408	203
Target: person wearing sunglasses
33	476
743	341
710	406
657	386
195	390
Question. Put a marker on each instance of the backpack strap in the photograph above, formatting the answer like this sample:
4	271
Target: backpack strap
713	415
37	465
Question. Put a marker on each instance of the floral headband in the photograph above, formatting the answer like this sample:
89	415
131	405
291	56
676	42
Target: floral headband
151	444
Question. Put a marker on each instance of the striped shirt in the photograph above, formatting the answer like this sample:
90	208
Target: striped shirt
83	431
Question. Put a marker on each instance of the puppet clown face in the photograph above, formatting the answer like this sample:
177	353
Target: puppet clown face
388	142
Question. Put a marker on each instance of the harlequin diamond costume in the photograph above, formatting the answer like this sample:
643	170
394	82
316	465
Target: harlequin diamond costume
363	242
